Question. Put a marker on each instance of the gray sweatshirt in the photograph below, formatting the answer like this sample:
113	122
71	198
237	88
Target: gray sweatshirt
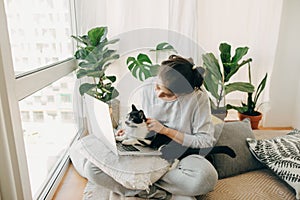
189	113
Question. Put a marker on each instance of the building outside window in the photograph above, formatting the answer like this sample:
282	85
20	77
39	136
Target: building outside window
41	46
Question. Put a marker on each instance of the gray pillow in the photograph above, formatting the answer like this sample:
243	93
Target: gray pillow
233	135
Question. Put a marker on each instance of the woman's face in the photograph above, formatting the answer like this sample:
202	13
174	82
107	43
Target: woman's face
164	93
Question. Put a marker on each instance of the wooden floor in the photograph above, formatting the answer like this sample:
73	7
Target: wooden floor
73	184
71	187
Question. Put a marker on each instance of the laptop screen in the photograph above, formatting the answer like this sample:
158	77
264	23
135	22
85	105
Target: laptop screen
100	122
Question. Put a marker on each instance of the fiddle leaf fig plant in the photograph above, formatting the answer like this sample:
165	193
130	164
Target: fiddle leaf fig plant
218	74
94	56
142	67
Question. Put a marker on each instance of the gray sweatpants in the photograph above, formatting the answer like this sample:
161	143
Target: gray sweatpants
193	176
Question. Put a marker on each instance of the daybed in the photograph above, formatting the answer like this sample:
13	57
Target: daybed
242	177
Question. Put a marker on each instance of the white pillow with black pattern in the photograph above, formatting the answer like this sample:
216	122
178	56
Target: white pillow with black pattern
281	155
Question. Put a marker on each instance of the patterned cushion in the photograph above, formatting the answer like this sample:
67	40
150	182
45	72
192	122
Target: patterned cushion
281	155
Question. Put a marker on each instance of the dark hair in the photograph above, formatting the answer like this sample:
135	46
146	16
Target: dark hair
179	74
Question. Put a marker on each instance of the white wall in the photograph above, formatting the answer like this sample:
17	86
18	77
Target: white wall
284	83
253	23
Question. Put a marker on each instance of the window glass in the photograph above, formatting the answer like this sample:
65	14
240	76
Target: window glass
49	128
39	32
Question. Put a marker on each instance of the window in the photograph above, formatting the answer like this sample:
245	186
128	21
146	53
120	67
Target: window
49	133
35	28
37	122
38	116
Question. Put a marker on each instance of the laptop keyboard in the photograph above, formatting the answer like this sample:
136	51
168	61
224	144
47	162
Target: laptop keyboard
122	147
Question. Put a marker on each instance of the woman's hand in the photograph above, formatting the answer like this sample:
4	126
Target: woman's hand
154	125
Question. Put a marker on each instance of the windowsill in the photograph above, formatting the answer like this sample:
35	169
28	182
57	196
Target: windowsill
71	186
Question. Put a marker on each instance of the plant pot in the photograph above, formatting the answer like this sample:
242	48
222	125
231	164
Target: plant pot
254	119
114	109
220	113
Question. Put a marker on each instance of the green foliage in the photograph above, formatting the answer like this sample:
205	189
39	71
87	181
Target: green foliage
142	67
94	56
250	107
217	77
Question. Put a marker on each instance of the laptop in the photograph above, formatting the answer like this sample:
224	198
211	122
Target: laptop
101	127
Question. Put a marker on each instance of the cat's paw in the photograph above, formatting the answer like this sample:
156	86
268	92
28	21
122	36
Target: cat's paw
120	138
131	141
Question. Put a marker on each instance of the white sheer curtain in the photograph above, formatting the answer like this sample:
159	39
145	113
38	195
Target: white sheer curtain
252	23
191	26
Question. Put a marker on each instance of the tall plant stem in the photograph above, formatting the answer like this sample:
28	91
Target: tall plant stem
220	98
249	73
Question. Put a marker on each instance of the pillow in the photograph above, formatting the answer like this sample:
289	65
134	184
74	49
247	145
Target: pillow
233	135
282	155
133	172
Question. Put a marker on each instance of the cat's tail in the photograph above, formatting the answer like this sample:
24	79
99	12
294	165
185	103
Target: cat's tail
223	150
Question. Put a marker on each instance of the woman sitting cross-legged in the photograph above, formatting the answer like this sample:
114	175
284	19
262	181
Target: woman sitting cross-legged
177	106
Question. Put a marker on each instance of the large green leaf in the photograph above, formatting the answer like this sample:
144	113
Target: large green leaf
81	73
82	39
112	78
239	54
97	35
140	67
225	50
164	46
95	74
81	54
239	86
144	59
212	85
240	109
211	65
79	40
85	87
102	45
231	68
85	65
260	88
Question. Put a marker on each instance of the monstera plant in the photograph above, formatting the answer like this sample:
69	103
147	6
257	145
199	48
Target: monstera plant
142	67
94	56
218	74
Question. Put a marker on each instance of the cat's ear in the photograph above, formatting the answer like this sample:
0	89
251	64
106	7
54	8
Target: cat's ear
133	107
142	115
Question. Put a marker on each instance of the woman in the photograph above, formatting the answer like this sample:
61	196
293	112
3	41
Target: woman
178	107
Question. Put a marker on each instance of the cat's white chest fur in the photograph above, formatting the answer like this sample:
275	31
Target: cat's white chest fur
139	131
133	134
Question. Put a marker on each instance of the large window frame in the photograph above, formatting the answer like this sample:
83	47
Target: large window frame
14	177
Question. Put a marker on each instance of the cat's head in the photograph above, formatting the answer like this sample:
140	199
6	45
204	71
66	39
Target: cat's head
135	117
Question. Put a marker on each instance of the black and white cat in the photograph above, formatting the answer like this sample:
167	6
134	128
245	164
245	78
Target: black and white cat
136	130
136	133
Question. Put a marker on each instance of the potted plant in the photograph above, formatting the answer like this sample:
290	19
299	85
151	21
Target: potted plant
94	57
218	75
250	109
